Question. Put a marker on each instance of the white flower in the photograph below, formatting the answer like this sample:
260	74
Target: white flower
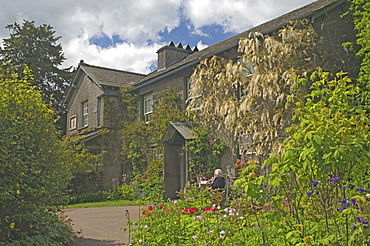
198	217
194	237
222	232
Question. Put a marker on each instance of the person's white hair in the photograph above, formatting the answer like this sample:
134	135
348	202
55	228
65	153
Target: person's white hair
218	172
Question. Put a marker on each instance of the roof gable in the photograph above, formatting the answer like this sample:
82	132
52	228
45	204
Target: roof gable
102	77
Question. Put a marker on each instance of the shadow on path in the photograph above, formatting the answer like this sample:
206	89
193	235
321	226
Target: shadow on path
94	242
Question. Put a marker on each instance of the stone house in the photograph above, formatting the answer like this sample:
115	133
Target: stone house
175	65
93	107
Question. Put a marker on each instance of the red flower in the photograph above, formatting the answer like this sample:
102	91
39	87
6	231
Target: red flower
168	210
150	208
188	210
208	209
145	213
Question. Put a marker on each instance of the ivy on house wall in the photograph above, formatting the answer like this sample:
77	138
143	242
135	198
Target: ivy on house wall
361	12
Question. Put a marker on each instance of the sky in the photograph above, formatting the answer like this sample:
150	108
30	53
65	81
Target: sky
126	34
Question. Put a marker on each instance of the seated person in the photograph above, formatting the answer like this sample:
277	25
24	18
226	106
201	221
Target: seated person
217	182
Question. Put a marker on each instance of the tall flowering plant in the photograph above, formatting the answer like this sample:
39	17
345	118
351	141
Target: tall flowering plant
319	181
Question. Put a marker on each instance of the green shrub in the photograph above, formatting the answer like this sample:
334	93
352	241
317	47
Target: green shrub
99	196
32	175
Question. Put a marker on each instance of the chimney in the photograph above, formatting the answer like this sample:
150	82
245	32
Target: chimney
171	53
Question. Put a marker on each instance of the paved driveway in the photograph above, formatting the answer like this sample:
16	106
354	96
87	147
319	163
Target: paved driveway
101	226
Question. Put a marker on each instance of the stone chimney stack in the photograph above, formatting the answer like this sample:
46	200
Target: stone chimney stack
170	54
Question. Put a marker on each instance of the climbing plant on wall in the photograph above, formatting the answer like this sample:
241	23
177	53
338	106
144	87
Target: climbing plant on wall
256	89
361	12
205	152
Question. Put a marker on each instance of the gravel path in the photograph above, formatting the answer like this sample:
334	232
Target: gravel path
101	226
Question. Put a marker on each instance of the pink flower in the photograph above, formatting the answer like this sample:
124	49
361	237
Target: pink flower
168	210
150	208
192	210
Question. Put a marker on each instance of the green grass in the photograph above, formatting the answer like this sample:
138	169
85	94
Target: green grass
117	203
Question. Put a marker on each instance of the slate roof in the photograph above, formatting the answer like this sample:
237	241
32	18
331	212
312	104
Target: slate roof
312	11
110	77
103	77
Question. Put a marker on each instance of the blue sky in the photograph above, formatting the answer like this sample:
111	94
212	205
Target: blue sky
125	34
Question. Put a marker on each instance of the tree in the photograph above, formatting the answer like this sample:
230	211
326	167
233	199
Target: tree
32	175
37	48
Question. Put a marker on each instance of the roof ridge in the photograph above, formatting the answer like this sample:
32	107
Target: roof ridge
112	69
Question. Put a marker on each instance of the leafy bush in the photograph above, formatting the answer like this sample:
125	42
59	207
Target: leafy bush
152	181
99	196
31	172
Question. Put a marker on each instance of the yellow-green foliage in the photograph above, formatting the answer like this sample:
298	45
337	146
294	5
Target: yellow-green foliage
31	176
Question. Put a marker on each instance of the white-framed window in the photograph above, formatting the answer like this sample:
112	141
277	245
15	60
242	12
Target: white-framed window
194	96
148	107
72	122
85	113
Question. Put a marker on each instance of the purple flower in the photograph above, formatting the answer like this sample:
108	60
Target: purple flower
354	227
351	186
368	243
360	190
358	219
343	201
315	183
317	192
309	193
353	201
335	180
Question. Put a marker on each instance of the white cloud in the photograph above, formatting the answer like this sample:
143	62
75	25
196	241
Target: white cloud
125	56
237	15
138	23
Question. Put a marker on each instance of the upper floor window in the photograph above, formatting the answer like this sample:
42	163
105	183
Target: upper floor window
73	122
148	107
85	113
249	69
194	97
